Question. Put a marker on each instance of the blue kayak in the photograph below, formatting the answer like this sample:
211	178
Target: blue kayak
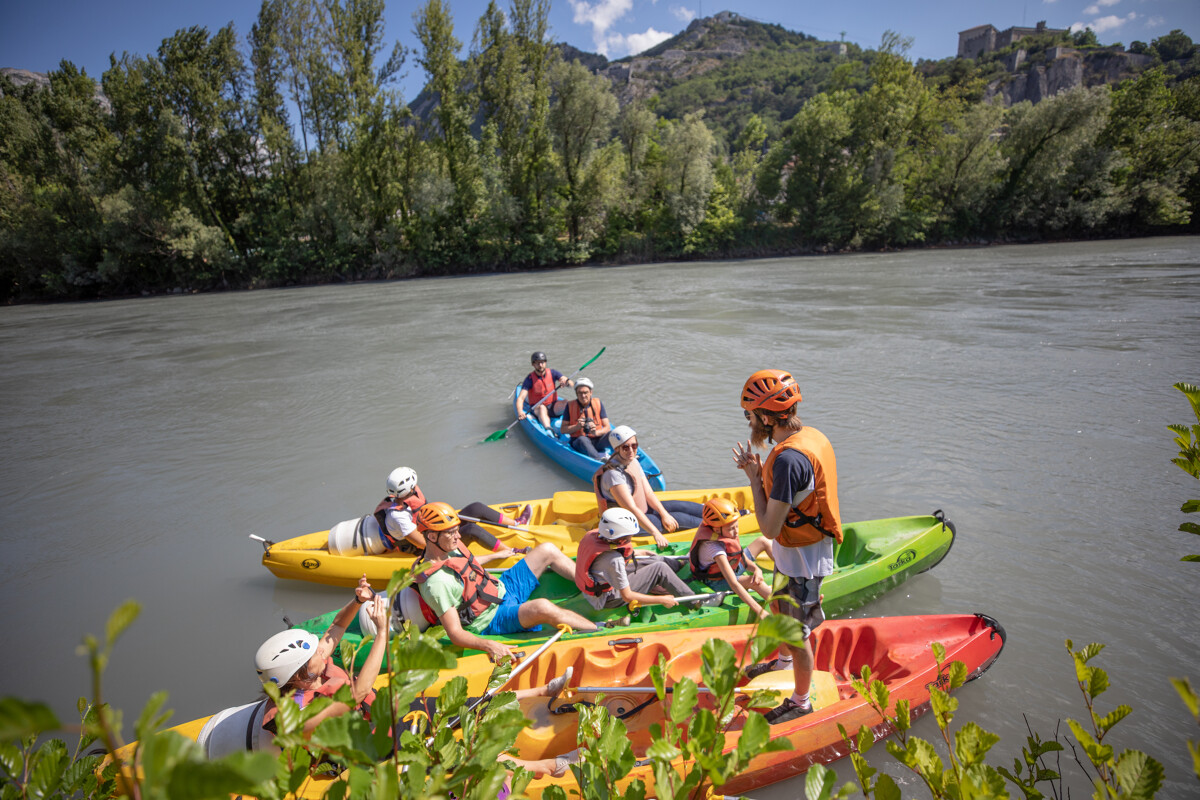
554	444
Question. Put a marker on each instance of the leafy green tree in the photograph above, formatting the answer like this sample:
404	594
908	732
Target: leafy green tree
580	119
1188	441
809	177
1158	151
1058	179
1174	46
687	174
966	171
451	133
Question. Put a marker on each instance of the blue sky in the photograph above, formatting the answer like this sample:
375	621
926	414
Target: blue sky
37	35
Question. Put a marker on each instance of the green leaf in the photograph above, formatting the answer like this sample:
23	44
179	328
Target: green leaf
718	667
1190	527
1186	693
120	619
11	759
683	702
972	743
20	718
46	772
1112	718
238	773
886	788
1191	558
1190	506
755	735
818	782
1139	775
1097	753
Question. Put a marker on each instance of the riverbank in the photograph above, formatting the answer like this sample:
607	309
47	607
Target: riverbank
741	253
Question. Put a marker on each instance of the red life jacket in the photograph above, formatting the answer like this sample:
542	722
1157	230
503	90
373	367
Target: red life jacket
574	412
591	546
817	515
479	588
541	387
412	503
733	549
332	678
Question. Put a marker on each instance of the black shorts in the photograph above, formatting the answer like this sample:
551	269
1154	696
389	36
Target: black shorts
806	594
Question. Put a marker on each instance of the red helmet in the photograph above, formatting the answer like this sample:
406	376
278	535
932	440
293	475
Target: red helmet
436	516
719	512
770	390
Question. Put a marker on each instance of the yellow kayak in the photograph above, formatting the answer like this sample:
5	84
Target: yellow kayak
561	520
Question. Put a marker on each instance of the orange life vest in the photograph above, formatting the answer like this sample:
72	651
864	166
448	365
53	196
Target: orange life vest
412	503
733	549
574	412
817	515
479	588
541	387
591	546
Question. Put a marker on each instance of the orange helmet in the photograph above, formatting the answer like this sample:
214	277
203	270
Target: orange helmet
436	517
770	390
719	512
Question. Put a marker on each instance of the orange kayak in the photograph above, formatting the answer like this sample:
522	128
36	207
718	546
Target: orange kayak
897	649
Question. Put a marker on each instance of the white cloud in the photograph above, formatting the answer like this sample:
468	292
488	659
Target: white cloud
1090	10
1110	23
1094	9
1107	2
684	15
618	45
1154	22
600	15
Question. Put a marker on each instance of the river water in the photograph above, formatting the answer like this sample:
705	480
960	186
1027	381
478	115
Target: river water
1025	390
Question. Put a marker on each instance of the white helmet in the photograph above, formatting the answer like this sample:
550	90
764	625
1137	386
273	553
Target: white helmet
408	606
621	433
401	482
617	523
281	656
584	382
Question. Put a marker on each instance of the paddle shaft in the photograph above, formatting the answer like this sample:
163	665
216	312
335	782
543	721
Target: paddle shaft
496	524
489	694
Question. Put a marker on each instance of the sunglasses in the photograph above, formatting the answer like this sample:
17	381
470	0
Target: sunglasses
747	413
630	446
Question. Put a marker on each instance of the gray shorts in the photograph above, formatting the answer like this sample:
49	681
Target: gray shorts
806	592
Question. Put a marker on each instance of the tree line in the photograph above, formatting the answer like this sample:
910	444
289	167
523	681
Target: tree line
293	159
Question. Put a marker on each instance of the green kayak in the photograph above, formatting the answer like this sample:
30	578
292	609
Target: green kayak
874	557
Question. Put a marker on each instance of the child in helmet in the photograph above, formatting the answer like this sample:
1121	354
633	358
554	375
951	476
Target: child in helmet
718	558
395	515
609	575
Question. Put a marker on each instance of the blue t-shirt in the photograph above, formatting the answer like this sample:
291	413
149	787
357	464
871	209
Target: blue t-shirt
792	481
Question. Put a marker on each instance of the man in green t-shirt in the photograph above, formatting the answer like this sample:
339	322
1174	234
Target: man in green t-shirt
468	601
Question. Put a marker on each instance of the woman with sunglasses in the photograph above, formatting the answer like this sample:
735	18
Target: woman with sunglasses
622	483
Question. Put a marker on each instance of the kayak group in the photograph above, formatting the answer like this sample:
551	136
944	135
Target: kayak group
766	548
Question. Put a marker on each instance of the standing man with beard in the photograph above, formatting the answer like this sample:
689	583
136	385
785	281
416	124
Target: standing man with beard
796	503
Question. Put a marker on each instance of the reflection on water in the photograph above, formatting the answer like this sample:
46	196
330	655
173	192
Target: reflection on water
1024	389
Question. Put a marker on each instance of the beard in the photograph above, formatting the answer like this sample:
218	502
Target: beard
759	434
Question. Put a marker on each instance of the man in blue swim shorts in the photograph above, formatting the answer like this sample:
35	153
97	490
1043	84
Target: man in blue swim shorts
458	593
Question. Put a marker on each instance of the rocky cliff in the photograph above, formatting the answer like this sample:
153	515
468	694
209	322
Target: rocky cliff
1068	69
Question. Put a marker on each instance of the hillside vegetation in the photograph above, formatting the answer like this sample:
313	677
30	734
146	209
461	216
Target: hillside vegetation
299	163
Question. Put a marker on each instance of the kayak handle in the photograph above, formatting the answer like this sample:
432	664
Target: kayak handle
627	642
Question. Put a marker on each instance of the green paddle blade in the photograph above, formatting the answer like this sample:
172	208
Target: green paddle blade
497	436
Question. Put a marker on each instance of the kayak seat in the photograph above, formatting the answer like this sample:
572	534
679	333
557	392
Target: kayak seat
844	651
573	507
